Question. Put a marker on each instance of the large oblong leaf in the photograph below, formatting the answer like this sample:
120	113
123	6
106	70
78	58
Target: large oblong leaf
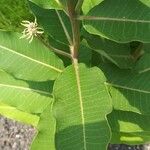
28	96
28	61
121	21
80	108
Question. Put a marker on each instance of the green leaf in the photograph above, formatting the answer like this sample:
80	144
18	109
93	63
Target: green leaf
48	4
129	127
62	47
57	44
118	54
132	97
143	65
130	91
27	61
52	21
15	114
121	21
130	138
81	104
85	54
146	2
32	97
45	139
89	4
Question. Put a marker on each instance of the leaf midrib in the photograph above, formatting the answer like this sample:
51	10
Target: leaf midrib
144	70
112	19
76	67
120	56
127	88
24	88
34	60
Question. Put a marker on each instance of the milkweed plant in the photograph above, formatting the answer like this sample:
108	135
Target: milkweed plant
79	73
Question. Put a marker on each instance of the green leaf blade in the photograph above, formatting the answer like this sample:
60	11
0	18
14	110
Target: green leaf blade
80	109
48	4
12	13
143	64
146	2
45	138
129	127
51	23
26	96
15	114
125	21
117	53
27	61
130	91
89	4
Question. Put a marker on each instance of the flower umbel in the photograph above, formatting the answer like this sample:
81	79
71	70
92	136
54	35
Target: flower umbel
31	30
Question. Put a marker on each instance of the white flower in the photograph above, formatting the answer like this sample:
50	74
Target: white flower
31	30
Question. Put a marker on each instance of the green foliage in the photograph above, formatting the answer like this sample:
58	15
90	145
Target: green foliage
89	4
49	4
16	114
127	21
12	13
45	17
29	96
84	83
127	91
34	55
129	127
45	138
78	106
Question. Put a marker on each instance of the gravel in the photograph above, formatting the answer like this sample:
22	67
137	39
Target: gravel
17	136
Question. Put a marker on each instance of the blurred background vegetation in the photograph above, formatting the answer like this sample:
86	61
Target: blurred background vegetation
12	12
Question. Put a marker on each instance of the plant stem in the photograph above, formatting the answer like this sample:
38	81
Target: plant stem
75	24
54	49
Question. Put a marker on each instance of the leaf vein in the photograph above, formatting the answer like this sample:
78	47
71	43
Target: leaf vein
24	88
34	60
